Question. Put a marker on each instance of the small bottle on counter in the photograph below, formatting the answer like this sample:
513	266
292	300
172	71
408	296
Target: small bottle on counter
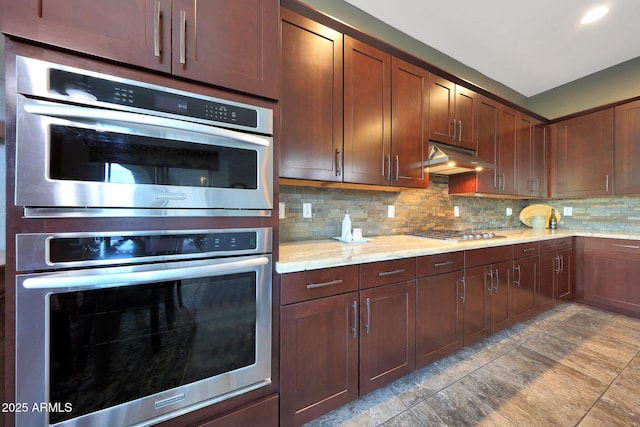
346	228
553	220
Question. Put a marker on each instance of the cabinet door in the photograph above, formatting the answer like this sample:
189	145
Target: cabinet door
387	334
488	140
476	304
525	282
438	317
500	290
136	32
524	152
231	44
627	148
311	100
549	268
409	124
319	347
465	116
564	287
508	137
582	156
441	109
538	161
367	114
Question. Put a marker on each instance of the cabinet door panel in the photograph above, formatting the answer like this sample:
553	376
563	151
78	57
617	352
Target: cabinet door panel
387	334
367	114
409	124
627	148
611	279
508	138
564	287
525	282
524	153
121	30
441	104
311	100
317	337
501	284
465	115
232	44
438	327
538	161
488	140
549	267
477	311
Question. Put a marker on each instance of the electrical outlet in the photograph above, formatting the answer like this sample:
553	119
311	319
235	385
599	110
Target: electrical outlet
281	214
456	211
306	210
391	211
567	211
509	212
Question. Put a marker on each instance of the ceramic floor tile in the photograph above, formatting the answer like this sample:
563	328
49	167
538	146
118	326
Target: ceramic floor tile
405	419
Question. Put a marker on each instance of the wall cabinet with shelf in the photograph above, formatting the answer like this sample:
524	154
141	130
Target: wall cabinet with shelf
196	40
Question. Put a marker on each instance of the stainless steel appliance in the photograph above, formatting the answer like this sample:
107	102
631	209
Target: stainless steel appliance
95	144
134	328
458	235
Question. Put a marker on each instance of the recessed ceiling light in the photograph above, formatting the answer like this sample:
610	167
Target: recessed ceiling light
594	14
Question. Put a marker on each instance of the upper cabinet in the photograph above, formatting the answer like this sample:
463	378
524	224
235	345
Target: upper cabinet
627	148
530	158
581	155
311	100
452	113
228	44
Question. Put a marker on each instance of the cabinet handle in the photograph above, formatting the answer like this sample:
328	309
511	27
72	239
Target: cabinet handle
368	324
490	274
442	264
156	29
497	280
338	163
388	162
454	128
391	273
397	167
528	249
324	284
537	188
624	246
460	132
561	263
517	282
556	269
504	182
354	305
464	289
606	184
183	37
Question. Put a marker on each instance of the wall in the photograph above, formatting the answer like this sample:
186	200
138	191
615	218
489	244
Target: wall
611	85
600	213
416	210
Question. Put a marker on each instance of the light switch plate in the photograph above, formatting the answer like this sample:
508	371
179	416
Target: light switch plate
509	212
567	211
306	210
281	213
456	211
391	211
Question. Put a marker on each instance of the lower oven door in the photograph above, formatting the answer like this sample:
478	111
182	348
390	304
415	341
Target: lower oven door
136	345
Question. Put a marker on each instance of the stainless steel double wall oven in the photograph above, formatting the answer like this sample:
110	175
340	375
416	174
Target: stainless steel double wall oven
138	325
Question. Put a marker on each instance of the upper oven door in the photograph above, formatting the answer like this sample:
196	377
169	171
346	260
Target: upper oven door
70	158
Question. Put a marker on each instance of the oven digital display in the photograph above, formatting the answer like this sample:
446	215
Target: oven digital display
171	103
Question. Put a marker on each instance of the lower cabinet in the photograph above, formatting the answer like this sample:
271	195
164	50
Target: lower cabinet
611	272
556	263
438	306
525	281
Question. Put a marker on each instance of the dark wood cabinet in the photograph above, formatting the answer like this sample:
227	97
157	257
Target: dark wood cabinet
452	113
556	272
318	342
228	44
525	281
367	114
581	155
611	271
507	177
530	158
311	100
409	124
627	148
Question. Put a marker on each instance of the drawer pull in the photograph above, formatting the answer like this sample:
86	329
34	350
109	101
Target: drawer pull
528	249
391	273
442	264
624	246
325	284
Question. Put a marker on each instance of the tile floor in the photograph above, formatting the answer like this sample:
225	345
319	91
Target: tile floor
571	366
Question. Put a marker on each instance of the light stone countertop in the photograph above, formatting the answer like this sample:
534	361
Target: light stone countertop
315	254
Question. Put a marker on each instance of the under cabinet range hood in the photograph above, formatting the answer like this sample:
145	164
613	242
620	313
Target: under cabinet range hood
448	160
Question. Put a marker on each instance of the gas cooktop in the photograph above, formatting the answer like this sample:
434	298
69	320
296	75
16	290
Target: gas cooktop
458	235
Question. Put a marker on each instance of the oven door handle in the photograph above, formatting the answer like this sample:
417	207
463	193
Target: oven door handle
84	114
106	280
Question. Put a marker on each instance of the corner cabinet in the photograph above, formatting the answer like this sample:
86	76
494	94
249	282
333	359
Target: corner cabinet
586	141
232	45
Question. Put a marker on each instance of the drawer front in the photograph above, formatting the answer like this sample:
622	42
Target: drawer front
612	245
312	284
484	256
556	244
385	272
432	265
523	250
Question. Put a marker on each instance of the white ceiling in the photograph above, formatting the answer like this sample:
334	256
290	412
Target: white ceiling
528	45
